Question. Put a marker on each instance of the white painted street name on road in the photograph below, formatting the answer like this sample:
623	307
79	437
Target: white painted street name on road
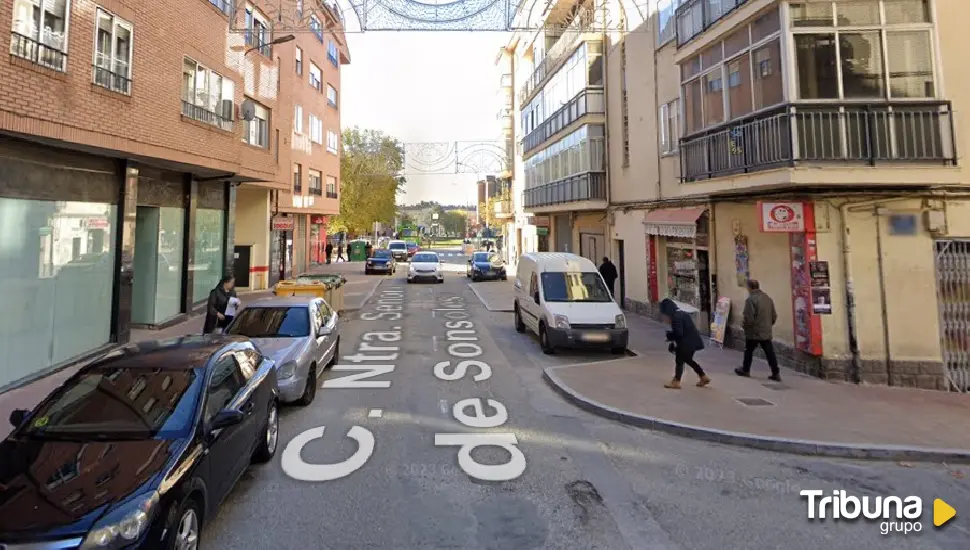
373	358
462	341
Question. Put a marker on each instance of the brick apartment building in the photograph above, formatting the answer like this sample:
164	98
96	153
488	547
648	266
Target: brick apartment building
137	151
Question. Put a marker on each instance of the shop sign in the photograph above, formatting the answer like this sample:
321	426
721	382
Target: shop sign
672	230
782	217
318	220
96	223
540	221
542	231
283	224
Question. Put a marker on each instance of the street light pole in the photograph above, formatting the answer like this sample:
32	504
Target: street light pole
281	40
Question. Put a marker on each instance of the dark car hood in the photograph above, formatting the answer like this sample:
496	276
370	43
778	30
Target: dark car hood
378	260
63	487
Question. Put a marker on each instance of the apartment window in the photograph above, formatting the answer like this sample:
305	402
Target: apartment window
690	21
258	31
316	182
39	32
331	187
112	53
316	77
299	61
316	130
316	28
206	95
669	127
297	179
735	77
298	119
666	22
257	129
864	49
332	141
331	96
225	6
332	53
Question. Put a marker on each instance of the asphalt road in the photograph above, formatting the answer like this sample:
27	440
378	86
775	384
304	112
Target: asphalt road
570	480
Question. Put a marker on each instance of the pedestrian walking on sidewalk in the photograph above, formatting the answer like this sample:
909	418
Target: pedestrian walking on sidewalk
685	341
758	319
329	251
340	252
215	309
610	275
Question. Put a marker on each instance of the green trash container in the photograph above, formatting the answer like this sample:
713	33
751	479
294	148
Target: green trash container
357	251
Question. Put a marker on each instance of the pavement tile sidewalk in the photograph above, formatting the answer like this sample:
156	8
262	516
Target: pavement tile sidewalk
806	415
358	289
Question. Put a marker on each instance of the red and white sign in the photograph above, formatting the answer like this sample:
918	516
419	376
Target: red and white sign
318	220
283	224
782	217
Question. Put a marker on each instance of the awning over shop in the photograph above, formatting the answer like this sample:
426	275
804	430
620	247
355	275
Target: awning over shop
673	222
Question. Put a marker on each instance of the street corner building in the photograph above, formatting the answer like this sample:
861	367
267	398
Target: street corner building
811	145
143	157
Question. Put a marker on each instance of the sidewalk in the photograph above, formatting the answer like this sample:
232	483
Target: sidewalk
802	415
358	289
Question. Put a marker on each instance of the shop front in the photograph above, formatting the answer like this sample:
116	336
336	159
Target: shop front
679	245
281	248
542	233
318	239
91	247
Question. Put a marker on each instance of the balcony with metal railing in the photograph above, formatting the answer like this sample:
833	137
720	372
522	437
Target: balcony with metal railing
46	52
202	114
112	74
572	36
861	134
581	187
588	101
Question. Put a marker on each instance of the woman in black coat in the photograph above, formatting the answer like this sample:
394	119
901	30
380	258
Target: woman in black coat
685	341
215	310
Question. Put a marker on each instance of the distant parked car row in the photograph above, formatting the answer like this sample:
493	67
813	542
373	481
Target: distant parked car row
164	430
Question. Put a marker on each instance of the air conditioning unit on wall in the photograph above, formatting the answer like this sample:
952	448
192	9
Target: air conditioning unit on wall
935	221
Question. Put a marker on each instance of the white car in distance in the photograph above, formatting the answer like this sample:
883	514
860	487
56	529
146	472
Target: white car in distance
425	266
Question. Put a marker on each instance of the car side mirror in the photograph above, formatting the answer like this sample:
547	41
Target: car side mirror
535	297
18	416
324	331
226	418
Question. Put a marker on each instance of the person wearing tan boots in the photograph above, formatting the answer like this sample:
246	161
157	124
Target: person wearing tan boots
685	341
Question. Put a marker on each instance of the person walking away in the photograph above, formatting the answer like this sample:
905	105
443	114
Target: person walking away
685	341
340	252
215	310
329	251
610	275
757	321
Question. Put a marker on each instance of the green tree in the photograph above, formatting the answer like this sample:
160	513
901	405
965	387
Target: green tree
370	180
454	222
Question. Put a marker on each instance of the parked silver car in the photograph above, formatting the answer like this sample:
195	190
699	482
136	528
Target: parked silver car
300	334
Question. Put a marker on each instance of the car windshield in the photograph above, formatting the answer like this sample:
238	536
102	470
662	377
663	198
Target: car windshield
398	246
382	254
272	322
120	403
574	287
425	259
480	257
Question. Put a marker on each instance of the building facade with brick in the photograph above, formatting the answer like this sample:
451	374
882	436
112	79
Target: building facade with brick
126	140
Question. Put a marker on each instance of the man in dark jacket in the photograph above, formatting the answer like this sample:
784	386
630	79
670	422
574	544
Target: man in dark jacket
609	273
758	319
215	309
685	341
329	251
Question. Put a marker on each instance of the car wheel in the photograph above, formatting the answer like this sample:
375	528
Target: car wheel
519	323
505	277
186	533
271	435
310	390
618	351
544	341
336	354
366	272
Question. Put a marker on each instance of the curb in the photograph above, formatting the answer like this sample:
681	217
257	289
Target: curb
742	439
366	298
484	303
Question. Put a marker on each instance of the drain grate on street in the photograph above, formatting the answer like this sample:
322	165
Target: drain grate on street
754	402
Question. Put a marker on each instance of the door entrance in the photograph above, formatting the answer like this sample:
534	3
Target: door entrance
621	267
953	299
145	266
241	265
592	247
704	290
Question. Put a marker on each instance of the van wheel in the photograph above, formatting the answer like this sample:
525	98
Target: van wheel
544	341
519	323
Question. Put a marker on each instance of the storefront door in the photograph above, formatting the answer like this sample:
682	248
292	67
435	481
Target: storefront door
564	234
592	247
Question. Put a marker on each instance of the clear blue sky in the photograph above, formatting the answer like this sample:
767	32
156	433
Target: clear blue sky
425	87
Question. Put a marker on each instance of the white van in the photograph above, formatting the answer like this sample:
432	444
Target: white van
564	300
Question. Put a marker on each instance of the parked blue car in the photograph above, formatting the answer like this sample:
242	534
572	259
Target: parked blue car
486	265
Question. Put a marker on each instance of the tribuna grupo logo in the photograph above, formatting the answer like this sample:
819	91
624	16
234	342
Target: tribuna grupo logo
895	514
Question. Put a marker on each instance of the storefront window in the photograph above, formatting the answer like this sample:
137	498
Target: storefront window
208	255
682	275
157	289
56	268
